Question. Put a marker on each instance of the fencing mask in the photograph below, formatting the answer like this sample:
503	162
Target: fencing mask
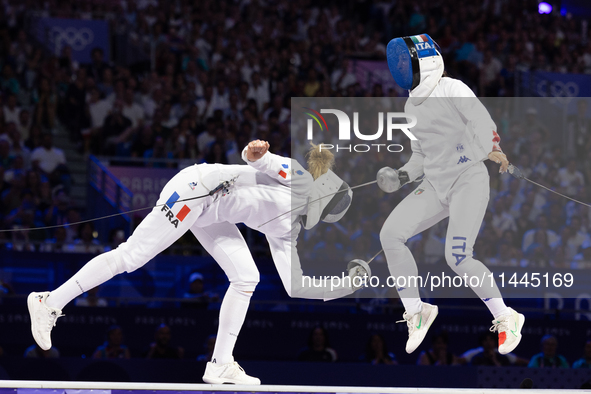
329	209
415	64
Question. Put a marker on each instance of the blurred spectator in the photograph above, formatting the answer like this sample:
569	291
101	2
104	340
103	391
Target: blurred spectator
583	260
116	237
46	102
114	126
208	346
217	154
86	241
489	356
513	359
98	110
9	83
585	361
548	358
35	351
260	91
342	77
376	351
579	132
538	253
11	110
161	347
113	346
98	66
24	124
132	110
439	353
57	213
12	198
207	137
51	161
196	297
75	101
18	147
502	220
91	298
541	226
318	348
20	241
570	178
6	289
5	158
57	243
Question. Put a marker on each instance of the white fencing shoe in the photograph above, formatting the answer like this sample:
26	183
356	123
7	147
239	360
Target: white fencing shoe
509	328
43	318
418	325
228	373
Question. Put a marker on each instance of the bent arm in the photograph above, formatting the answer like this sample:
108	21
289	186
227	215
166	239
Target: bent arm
283	169
298	285
477	116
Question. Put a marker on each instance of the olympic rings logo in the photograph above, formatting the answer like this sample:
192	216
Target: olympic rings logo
78	39
558	90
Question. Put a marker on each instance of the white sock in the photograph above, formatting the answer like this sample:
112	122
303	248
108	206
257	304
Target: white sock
412	305
497	307
232	315
95	272
490	295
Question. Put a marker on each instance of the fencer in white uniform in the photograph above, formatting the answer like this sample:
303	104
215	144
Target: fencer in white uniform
455	135
256	194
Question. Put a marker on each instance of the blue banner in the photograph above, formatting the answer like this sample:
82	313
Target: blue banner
548	84
81	35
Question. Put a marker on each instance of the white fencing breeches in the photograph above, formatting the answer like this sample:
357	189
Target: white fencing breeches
465	205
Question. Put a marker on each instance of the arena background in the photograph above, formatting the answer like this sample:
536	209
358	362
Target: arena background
133	91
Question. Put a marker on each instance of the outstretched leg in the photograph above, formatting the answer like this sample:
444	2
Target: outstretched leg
162	227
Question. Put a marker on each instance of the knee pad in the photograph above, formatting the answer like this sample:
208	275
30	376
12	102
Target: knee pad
246	282
244	288
112	261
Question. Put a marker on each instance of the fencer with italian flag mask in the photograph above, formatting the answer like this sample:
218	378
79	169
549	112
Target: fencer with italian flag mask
416	65
455	135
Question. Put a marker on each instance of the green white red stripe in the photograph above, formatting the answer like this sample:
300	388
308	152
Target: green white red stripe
419	38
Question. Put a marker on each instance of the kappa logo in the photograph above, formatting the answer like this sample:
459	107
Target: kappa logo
193	185
419	191
180	215
460	148
464	159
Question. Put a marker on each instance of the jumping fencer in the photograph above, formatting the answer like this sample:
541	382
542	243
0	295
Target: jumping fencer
270	185
455	135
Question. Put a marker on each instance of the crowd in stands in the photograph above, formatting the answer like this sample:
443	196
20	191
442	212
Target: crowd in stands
223	73
319	349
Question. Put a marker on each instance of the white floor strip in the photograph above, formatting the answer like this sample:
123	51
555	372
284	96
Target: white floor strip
33	384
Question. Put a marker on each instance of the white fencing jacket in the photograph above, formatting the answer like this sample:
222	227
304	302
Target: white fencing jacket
264	190
454	132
